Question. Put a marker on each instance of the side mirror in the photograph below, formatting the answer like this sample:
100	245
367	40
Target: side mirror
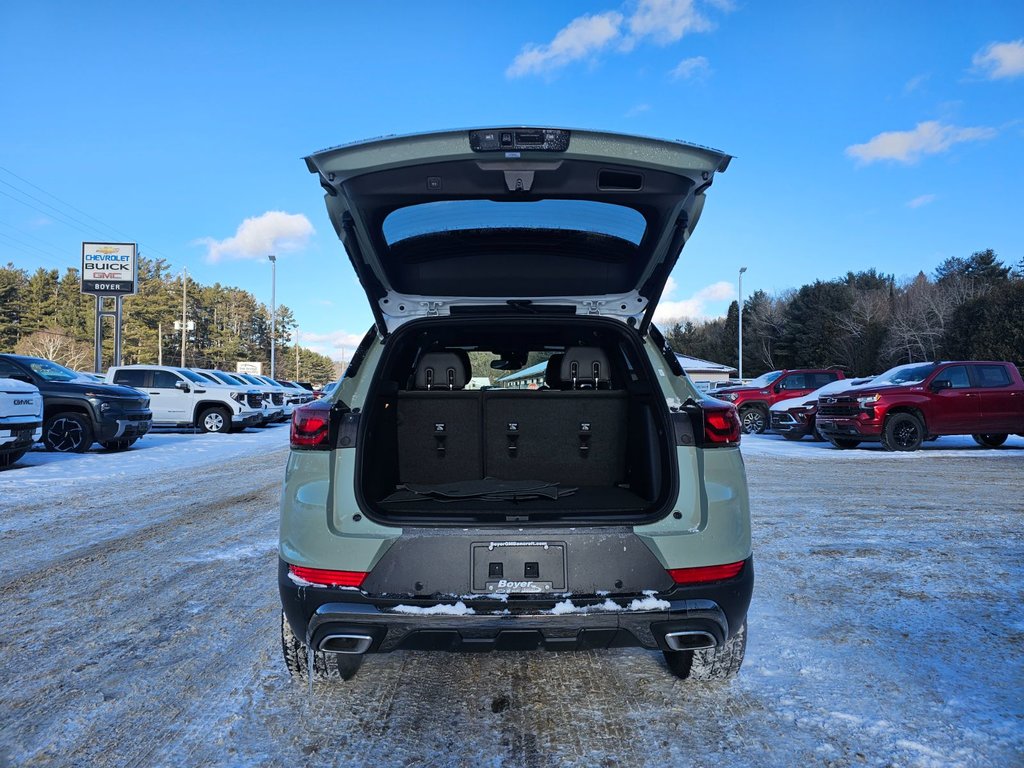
939	384
182	385
778	388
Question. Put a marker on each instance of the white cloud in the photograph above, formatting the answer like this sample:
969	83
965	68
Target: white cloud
914	83
999	60
639	109
337	345
256	237
694	68
667	20
660	21
581	38
927	138
694	307
920	200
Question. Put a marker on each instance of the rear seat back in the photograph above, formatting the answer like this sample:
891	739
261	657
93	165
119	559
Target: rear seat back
574	438
438	423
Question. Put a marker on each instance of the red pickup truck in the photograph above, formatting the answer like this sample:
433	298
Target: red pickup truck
911	403
754	399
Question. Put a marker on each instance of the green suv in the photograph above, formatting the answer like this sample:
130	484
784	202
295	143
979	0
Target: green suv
605	504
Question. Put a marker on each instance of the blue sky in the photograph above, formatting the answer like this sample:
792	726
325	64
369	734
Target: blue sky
873	134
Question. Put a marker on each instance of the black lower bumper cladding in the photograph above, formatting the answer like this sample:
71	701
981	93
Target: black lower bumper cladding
469	623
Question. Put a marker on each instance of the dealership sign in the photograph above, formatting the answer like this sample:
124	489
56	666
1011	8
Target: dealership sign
108	269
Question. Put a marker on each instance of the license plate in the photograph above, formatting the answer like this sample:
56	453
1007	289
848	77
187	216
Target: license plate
519	567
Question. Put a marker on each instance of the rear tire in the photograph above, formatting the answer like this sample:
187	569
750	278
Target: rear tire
68	432
754	419
214	419
990	440
326	666
713	664
903	432
844	442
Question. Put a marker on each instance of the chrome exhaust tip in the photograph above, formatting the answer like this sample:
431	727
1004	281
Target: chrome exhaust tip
357	644
690	640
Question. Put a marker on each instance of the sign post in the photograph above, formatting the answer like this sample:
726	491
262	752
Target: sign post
109	270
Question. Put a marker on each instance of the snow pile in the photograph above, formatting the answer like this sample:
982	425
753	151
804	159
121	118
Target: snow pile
648	603
456	609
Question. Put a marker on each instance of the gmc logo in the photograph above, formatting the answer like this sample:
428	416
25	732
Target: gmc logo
29	401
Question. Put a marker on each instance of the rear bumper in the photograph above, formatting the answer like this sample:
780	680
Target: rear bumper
681	618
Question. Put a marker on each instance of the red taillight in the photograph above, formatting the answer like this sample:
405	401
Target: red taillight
311	426
705	573
721	426
329	578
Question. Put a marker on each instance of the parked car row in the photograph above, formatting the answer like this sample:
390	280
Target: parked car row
910	404
70	412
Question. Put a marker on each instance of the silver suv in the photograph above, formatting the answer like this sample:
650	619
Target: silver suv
599	501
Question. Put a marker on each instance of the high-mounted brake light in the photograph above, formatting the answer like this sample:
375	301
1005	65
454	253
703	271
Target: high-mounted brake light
311	426
721	426
705	574
329	578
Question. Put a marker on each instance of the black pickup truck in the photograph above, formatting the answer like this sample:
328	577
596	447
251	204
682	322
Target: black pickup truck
77	412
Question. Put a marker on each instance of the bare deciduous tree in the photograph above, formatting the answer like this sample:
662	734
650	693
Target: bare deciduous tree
55	345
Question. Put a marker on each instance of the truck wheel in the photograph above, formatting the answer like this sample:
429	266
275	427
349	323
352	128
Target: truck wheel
792	436
754	419
989	440
67	433
713	664
9	459
119	445
903	432
844	442
326	666
215	419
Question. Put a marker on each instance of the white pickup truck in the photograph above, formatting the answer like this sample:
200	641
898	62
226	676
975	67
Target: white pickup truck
21	419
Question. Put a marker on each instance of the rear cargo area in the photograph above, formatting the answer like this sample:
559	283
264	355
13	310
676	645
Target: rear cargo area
585	444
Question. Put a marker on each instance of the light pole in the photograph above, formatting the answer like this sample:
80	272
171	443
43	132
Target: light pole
273	310
184	325
742	270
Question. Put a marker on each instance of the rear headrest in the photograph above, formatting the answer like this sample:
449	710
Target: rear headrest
552	374
585	368
443	370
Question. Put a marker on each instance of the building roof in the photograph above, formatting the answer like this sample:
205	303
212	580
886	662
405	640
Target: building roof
526	373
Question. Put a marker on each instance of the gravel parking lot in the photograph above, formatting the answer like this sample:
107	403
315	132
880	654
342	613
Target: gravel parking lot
140	627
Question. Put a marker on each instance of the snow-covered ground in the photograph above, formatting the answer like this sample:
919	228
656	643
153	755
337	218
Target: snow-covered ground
140	627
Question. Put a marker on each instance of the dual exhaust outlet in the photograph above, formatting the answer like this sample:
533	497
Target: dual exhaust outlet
689	640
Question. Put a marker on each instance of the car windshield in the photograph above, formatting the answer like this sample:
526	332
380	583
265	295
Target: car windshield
914	373
765	379
192	375
250	379
576	215
52	371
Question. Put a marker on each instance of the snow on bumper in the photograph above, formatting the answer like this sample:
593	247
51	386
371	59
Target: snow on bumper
493	626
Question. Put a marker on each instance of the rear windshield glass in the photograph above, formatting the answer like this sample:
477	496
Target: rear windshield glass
576	215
